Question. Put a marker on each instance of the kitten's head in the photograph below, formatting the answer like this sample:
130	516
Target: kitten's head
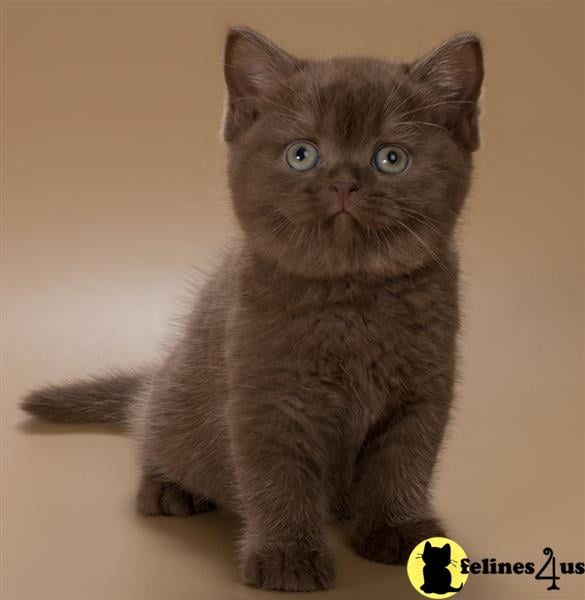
350	165
437	556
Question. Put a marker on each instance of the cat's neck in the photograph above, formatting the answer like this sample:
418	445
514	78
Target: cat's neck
266	277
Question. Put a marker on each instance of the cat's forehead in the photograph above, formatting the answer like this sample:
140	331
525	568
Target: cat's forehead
349	99
356	71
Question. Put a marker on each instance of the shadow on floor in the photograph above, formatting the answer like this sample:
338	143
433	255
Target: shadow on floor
214	535
209	540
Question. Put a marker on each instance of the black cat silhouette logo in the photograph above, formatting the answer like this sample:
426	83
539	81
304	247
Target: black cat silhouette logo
434	568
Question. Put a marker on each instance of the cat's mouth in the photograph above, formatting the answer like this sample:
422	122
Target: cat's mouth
346	213
344	224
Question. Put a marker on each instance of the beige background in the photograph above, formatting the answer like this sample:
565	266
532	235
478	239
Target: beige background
113	186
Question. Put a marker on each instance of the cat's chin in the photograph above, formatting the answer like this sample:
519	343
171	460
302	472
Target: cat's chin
344	216
340	250
344	226
344	247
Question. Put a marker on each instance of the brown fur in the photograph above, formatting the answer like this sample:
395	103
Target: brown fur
315	375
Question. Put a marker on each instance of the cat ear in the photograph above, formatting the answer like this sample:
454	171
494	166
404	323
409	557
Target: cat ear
454	71
252	64
427	546
447	550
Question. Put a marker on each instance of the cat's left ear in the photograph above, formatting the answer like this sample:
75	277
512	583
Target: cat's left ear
252	64
454	71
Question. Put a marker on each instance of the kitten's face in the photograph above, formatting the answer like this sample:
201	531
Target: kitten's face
347	165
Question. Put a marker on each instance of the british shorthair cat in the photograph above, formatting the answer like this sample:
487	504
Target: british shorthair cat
314	377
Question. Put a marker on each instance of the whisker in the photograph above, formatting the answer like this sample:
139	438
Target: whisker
427	123
435	104
421	215
427	248
423	222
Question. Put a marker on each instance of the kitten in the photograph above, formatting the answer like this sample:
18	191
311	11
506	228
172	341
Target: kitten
435	572
314	377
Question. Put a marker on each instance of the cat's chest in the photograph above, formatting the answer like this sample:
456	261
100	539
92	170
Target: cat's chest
350	344
355	350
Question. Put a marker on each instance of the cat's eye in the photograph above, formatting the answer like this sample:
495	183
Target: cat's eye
302	156
391	160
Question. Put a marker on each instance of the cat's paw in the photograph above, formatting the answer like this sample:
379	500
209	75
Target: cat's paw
393	544
289	567
167	498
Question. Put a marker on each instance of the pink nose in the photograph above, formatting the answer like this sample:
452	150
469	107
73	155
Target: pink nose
344	187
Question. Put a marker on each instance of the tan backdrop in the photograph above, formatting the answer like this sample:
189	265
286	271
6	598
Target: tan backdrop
113	186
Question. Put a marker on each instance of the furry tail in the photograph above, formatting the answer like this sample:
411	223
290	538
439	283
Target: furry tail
99	400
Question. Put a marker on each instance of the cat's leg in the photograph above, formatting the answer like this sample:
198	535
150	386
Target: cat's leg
159	496
390	497
280	466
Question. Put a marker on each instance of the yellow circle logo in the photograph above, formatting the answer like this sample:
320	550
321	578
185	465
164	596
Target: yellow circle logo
434	568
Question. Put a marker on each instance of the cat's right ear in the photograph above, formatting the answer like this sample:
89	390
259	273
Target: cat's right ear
427	546
252	64
454	71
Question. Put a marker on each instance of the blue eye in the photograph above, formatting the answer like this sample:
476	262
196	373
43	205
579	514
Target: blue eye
391	160
302	156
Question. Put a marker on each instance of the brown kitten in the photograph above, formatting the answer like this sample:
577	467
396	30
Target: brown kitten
315	375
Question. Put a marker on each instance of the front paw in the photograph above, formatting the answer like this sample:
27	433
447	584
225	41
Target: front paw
289	567
393	544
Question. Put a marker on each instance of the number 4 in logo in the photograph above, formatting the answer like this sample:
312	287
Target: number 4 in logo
553	577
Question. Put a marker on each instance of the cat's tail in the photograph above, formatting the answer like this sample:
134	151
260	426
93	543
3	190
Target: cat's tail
105	399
